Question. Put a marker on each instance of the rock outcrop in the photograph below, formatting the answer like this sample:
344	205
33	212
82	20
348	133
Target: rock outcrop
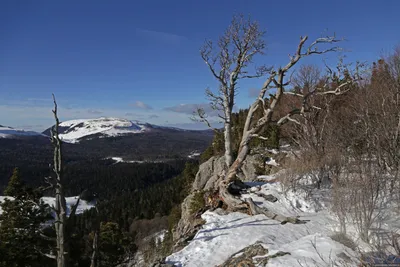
251	256
206	180
209	171
244	257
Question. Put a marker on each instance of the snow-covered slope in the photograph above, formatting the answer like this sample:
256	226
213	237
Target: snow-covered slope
8	132
73	130
83	205
309	244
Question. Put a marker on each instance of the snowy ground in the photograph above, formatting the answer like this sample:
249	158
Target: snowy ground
309	244
121	160
77	129
83	205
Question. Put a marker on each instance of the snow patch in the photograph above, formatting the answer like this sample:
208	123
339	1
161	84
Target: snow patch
194	154
223	235
2	199
272	162
121	160
83	205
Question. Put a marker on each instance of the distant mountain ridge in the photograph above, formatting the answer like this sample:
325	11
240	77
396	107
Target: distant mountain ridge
74	131
9	132
105	138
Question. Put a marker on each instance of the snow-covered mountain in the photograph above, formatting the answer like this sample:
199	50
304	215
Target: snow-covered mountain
8	132
73	131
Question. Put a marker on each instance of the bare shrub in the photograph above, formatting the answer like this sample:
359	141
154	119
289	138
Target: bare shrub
327	261
309	169
344	240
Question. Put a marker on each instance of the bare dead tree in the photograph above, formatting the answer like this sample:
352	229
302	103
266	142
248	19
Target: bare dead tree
60	208
315	133
95	244
61	223
95	247
229	62
276	80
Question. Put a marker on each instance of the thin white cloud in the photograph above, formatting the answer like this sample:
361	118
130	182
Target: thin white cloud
94	111
153	116
40	100
191	108
194	125
40	117
141	105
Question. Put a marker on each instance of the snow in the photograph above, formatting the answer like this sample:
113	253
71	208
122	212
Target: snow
161	235
272	162
158	236
83	205
309	244
273	151
2	198
194	154
8	132
77	129
121	160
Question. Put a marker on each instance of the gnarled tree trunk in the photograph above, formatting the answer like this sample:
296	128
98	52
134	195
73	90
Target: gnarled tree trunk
60	208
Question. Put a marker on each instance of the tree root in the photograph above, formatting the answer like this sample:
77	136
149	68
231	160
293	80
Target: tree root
234	203
283	219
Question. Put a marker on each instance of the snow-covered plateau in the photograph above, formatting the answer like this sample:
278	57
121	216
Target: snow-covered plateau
73	130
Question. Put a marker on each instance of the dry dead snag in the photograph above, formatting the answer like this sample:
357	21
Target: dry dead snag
61	223
229	62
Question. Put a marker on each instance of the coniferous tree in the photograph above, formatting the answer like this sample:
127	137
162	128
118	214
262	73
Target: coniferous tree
115	246
15	185
21	224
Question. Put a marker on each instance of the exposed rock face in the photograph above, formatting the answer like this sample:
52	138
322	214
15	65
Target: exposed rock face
249	169
244	257
187	221
206	179
209	171
251	256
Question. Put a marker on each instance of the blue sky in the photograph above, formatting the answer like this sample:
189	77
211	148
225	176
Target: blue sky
140	59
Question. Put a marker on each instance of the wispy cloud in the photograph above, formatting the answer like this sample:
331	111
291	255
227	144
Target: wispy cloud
135	116
39	117
30	127
49	100
162	37
153	116
194	125
95	112
190	108
141	105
